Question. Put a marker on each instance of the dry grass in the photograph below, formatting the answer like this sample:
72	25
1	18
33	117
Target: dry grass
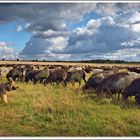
67	63
60	111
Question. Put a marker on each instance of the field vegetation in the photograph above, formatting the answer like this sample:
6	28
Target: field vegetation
55	110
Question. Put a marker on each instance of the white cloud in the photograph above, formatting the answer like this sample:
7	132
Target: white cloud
131	54
58	44
19	28
135	17
131	43
93	24
3	44
6	52
27	25
136	27
107	9
108	20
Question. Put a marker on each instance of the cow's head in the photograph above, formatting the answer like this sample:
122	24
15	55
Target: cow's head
124	95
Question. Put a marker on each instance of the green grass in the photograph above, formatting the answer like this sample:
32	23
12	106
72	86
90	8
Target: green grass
36	110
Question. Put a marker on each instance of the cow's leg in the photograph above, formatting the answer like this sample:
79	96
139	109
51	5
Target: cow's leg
109	93
65	83
119	96
35	81
98	93
52	83
20	79
40	81
79	83
84	79
4	98
58	83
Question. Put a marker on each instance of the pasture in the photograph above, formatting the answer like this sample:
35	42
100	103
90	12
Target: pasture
66	63
55	110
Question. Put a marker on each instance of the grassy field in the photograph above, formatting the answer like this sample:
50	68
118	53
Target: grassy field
36	110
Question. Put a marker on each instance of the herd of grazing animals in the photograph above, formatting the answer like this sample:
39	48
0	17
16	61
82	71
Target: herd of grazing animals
104	81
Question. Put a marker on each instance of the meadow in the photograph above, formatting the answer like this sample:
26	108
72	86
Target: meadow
55	110
68	63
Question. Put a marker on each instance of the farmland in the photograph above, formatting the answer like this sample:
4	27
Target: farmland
55	110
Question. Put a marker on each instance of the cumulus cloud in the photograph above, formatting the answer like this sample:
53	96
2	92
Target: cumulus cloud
116	28
7	52
35	46
93	24
107	37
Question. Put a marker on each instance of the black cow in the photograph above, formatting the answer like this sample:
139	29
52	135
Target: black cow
133	90
134	69
75	76
56	75
30	75
15	74
94	81
42	75
87	69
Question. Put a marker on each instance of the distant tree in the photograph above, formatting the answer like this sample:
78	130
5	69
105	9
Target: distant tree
3	59
17	59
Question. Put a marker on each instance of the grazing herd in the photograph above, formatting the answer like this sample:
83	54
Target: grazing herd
104	81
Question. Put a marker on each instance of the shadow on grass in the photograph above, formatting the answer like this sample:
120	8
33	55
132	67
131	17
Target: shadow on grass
128	104
96	99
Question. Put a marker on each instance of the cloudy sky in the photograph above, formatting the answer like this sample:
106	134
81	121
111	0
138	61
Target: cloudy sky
70	31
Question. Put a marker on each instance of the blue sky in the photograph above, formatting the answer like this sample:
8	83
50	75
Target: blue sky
9	34
73	31
73	25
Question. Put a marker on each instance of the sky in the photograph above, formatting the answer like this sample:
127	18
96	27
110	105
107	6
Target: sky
70	31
